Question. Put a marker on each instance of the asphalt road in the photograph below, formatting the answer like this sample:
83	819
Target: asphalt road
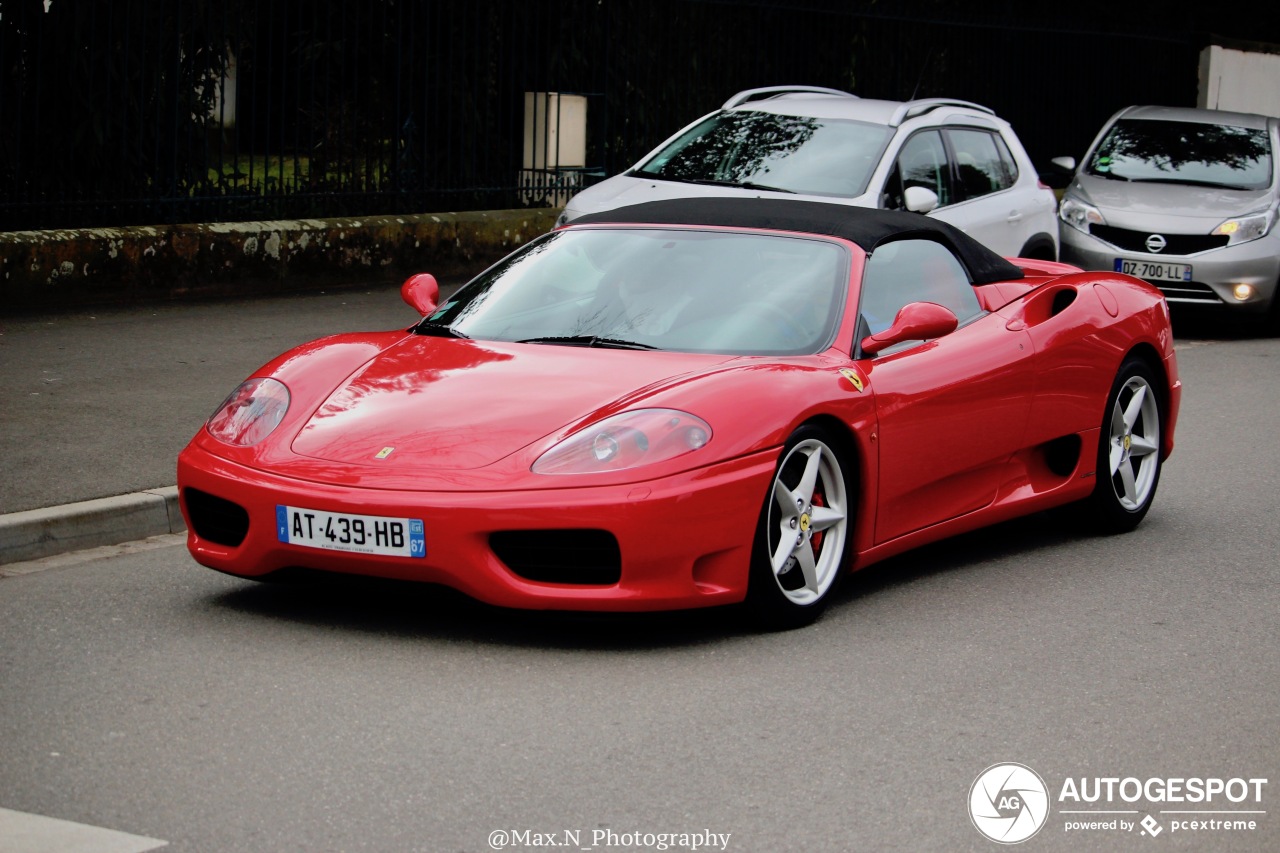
99	403
144	694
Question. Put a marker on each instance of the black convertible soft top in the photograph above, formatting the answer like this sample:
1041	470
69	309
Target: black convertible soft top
866	227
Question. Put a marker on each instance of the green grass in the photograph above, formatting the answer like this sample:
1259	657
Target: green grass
271	173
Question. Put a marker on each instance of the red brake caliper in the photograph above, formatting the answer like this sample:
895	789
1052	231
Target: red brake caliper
816	540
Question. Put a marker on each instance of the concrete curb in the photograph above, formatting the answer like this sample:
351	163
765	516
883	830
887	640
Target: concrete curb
38	533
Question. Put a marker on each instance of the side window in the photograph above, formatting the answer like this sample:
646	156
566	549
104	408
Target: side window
913	271
922	162
1009	164
983	163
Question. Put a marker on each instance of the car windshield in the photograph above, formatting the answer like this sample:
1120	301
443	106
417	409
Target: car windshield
1217	155
759	150
657	288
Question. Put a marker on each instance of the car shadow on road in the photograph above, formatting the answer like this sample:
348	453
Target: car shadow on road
1192	325
422	611
418	611
1019	538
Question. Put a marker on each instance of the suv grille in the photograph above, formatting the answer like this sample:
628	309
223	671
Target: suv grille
1177	244
560	556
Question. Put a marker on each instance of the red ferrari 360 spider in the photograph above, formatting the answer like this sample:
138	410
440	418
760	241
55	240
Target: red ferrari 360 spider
692	403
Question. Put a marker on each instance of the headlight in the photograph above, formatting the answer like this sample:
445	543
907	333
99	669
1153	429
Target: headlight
563	218
1079	215
251	412
1251	226
628	440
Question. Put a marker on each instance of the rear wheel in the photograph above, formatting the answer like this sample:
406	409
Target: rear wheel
1128	467
804	534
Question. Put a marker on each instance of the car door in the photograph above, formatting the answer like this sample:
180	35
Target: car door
992	211
923	161
950	411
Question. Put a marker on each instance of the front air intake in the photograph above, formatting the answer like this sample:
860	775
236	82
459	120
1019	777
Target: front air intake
216	519
581	557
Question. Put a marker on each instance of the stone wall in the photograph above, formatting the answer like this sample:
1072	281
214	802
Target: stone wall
53	270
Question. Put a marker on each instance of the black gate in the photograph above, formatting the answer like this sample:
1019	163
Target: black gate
116	112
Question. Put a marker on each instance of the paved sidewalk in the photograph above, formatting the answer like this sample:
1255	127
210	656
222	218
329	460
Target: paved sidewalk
96	405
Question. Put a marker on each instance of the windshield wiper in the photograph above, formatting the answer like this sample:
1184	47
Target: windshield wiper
710	182
436	330
586	341
1213	185
746	185
752	185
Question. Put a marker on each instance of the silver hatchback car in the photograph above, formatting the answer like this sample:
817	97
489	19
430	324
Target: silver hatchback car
951	159
1184	198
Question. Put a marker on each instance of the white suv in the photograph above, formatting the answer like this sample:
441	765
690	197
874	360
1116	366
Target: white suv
950	159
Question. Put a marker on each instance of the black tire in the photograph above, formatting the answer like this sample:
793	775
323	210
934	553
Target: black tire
805	533
1129	447
1271	321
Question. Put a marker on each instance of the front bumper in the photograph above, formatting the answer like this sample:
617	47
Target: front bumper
1215	273
685	540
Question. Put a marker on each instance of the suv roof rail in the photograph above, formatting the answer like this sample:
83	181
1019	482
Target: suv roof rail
777	91
911	109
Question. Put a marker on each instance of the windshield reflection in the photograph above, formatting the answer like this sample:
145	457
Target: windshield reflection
658	288
1185	152
796	154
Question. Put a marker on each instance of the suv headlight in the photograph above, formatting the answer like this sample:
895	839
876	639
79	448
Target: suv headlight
1251	226
1079	215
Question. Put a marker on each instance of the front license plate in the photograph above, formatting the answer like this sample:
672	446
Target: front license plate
340	531
1154	270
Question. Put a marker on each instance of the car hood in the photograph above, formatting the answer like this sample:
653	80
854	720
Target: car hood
623	190
1156	205
444	404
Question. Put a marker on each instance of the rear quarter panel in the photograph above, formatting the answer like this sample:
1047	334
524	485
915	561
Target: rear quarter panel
1083	326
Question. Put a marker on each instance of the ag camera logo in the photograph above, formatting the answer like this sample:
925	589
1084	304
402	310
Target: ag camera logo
1008	803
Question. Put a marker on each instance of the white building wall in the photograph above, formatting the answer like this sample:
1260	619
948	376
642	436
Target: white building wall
1240	81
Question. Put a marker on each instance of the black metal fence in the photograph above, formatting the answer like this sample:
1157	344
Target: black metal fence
116	112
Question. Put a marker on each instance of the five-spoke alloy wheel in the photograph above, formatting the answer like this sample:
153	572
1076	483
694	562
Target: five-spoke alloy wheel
1129	449
804	535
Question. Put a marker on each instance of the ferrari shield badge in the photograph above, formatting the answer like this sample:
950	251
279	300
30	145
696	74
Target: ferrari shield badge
384	453
852	375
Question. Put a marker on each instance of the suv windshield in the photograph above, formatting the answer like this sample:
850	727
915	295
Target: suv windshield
1216	155
758	150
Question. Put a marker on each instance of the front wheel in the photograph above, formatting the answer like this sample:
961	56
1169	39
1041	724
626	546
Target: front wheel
1128	467
1271	321
803	538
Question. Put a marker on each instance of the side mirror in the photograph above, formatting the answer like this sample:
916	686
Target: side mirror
917	321
421	292
919	199
1058	174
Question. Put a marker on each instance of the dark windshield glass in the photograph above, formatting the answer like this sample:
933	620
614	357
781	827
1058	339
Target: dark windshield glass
798	154
1185	152
657	288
